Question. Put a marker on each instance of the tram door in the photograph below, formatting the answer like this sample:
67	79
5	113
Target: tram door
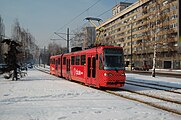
56	67
91	70
68	66
68	69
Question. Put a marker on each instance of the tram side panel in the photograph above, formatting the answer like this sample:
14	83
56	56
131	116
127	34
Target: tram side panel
59	66
78	65
92	67
66	66
52	65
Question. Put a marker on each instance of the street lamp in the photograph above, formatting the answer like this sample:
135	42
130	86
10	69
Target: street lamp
131	55
131	46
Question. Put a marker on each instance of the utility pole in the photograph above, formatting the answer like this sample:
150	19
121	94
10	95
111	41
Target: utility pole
44	57
131	46
68	34
39	59
67	40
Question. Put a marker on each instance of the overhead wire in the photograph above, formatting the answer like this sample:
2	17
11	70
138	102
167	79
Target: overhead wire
104	12
75	18
72	20
79	15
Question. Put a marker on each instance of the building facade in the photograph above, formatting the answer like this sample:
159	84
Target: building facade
119	7
146	29
90	36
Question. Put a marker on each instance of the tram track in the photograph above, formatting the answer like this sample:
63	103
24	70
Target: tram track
153	104
142	98
42	70
160	73
154	96
154	86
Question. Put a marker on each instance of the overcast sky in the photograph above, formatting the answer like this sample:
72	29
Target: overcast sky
44	17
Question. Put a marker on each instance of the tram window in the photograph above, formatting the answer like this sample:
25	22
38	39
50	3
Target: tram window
96	56
89	66
100	62
77	61
64	61
72	60
53	62
83	59
93	67
59	61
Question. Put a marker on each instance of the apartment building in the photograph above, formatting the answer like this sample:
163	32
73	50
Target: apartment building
144	29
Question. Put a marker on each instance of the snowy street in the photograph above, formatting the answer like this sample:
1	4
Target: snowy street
40	96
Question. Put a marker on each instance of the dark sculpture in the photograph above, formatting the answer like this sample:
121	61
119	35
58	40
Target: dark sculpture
11	57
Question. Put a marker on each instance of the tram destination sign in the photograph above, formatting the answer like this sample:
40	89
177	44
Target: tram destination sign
113	51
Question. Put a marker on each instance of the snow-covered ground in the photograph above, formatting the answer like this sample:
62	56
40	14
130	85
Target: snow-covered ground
40	96
160	80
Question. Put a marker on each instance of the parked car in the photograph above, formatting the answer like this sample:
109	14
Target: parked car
30	66
3	67
146	67
143	68
23	67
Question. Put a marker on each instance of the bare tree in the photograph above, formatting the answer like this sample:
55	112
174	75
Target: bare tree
29	48
2	34
55	49
78	39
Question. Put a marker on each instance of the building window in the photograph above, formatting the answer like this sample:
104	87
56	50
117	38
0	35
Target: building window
173	8
174	16
173	25
165	2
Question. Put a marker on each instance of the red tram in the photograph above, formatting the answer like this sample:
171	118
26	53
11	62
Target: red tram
101	66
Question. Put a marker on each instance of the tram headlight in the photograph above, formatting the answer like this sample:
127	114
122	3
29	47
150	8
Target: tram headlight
108	74
122	74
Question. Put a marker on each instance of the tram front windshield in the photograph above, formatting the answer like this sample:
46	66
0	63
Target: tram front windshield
113	59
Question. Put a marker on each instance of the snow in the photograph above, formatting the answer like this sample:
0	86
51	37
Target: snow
169	81
40	96
156	93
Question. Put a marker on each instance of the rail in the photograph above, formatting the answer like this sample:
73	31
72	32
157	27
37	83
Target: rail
163	103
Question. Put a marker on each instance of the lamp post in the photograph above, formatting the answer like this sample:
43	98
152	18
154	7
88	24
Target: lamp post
131	46
131	55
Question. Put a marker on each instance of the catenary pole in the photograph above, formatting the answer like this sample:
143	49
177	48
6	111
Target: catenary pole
67	40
